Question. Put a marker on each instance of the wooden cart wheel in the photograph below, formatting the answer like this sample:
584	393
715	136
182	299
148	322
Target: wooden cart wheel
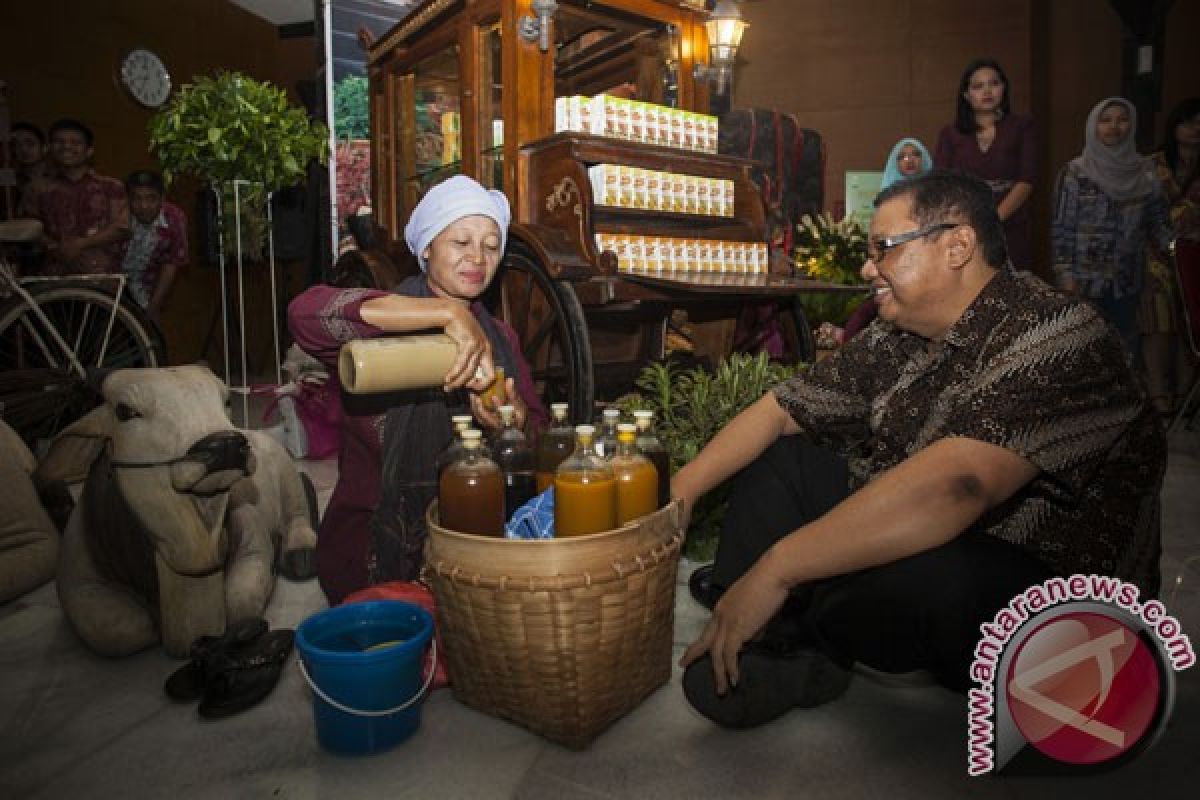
551	327
806	345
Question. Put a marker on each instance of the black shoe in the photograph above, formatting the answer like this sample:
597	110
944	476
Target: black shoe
770	684
701	586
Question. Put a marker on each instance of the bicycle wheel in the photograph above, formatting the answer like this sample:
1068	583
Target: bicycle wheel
40	391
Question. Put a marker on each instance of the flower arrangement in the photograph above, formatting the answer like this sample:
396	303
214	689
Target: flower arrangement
834	252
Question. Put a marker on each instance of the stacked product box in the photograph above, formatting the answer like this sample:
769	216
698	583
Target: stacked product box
619	186
635	121
666	254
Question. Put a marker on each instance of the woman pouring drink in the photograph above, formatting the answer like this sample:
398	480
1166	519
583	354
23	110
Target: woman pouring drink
373	529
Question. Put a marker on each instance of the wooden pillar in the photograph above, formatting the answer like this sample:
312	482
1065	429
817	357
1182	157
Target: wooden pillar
1142	60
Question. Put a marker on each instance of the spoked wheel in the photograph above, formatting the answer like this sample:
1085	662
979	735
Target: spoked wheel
550	325
40	390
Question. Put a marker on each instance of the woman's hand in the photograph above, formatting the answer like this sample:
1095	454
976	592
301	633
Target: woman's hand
473	367
489	417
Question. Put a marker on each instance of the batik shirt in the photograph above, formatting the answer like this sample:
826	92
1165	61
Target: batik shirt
150	247
1100	241
74	209
1026	368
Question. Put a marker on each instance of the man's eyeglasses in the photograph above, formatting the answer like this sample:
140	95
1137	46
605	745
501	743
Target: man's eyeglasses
877	249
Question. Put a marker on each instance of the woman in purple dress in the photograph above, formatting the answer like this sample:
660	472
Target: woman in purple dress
990	142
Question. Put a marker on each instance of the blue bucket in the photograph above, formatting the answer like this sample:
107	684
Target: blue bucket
364	664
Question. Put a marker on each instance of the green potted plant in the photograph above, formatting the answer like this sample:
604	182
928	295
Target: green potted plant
231	127
690	406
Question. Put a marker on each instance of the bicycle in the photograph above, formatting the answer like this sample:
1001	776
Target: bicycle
54	331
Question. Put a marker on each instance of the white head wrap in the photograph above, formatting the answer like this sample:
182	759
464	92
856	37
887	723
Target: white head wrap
448	202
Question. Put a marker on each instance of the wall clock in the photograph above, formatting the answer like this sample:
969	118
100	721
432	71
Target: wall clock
144	75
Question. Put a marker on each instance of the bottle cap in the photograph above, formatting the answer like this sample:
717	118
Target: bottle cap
461	420
643	413
611	414
506	413
585	430
559	409
626	427
471	435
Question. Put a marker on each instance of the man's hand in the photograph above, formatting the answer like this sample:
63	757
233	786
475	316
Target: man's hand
741	613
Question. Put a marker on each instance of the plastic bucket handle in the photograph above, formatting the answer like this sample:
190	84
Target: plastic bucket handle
386	713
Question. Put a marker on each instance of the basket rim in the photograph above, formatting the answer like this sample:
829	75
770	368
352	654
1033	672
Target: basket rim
619	570
674	506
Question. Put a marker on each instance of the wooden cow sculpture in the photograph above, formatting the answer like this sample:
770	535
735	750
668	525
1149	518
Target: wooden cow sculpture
183	519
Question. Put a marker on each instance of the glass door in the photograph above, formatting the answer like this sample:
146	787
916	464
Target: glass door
491	121
436	116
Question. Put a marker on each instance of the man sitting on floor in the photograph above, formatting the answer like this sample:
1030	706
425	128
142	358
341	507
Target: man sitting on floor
984	434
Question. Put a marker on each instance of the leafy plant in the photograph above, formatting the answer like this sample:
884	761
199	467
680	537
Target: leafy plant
691	406
232	127
351	119
834	252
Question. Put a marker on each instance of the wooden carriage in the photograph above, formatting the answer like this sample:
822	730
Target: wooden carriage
455	88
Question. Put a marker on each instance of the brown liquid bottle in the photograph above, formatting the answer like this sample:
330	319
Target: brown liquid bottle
637	480
606	439
515	460
649	446
555	446
454	451
471	492
585	491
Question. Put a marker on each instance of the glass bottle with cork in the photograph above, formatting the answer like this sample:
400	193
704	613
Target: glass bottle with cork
649	446
637	479
454	450
515	460
606	442
471	491
555	446
585	490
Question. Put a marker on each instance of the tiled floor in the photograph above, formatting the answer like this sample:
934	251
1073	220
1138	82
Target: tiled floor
75	725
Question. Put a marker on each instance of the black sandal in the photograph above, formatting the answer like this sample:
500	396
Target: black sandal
247	675
186	684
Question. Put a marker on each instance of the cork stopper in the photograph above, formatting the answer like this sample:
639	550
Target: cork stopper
506	414
472	438
644	419
461	421
584	433
559	411
626	432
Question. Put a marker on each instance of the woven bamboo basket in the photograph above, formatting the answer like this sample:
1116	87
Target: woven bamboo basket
561	636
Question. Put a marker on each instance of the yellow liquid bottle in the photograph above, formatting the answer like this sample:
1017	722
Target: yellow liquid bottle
637	480
585	490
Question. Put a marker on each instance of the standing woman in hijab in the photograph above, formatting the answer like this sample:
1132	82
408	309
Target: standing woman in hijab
373	529
990	142
1109	208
